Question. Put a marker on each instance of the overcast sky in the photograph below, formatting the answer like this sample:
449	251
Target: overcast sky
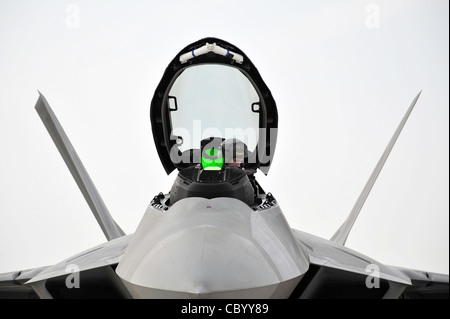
343	73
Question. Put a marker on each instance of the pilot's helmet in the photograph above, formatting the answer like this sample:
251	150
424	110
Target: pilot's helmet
234	151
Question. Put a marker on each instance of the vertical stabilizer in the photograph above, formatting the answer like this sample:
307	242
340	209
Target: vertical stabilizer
342	233
79	173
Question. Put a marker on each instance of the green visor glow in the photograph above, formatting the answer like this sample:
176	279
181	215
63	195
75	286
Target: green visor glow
213	161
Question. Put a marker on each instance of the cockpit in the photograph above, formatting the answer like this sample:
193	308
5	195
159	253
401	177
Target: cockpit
221	173
214	120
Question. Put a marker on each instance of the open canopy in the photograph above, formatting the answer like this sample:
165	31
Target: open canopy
210	93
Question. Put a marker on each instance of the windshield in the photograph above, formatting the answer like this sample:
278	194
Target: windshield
213	101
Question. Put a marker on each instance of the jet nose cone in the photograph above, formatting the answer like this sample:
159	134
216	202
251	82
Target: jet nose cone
203	260
215	249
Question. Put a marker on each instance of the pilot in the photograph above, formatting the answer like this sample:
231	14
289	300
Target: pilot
235	152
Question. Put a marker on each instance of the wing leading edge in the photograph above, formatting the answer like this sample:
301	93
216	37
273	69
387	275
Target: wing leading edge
338	272
94	268
12	284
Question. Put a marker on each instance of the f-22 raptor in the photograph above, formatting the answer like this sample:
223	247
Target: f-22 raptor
216	233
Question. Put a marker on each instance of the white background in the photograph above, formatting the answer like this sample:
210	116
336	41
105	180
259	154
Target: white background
343	73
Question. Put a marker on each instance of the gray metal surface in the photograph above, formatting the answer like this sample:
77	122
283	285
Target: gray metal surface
105	254
327	253
79	173
425	284
212	248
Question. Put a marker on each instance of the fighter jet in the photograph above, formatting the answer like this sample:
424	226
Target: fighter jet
217	233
